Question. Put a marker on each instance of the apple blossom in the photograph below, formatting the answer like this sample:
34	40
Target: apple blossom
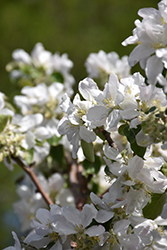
119	129
101	65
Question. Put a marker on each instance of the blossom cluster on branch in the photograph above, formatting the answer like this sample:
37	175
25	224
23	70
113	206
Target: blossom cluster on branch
95	164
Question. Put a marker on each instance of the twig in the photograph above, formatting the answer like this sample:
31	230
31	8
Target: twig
31	174
109	139
106	135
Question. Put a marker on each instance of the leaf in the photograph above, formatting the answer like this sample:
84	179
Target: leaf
131	137
138	150
30	156
3	121
54	140
57	153
121	128
88	150
92	167
131	133
57	77
154	207
164	169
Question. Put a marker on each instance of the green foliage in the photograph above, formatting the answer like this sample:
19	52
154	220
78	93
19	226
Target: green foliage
154	207
57	77
3	121
88	150
130	134
92	167
57	153
164	169
54	140
29	159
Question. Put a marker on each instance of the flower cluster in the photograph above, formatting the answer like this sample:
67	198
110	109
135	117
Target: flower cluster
150	35
41	66
118	128
100	65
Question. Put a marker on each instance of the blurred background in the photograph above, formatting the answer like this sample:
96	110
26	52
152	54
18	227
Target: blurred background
75	27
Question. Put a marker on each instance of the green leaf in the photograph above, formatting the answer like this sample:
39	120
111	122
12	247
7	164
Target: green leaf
131	137
57	77
3	121
121	128
54	140
131	133
30	156
88	150
154	207
138	150
57	153
92	167
164	169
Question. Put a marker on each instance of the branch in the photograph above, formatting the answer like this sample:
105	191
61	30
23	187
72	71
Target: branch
107	136
78	182
29	171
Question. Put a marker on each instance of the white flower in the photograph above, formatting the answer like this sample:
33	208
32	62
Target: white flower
41	59
77	222
100	64
150	34
102	112
149	232
45	229
73	125
110	201
126	239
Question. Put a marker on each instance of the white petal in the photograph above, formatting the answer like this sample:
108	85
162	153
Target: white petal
43	215
139	53
129	113
17	242
113	119
21	55
57	246
87	135
42	133
154	67
95	230
111	153
85	86
135	165
104	215
88	213
72	214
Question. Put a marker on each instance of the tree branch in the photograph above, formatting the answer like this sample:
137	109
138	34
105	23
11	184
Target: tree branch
31	174
78	182
106	136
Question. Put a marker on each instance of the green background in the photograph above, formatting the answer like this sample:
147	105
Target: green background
76	27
